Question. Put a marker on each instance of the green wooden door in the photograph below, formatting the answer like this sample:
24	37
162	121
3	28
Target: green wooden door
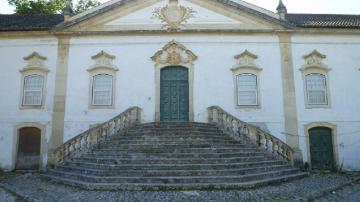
321	148
174	94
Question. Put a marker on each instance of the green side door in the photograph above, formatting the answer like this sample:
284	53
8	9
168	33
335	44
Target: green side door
321	148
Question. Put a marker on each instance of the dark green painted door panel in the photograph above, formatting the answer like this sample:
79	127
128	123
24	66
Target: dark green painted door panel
321	148
174	94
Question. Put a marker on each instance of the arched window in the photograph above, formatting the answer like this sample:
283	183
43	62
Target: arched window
247	89
102	90
316	89
102	81
33	82
33	90
316	81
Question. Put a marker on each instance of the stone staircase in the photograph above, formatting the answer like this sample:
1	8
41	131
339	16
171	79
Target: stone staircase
174	156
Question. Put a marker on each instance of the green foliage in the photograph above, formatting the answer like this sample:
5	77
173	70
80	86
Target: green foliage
83	5
49	6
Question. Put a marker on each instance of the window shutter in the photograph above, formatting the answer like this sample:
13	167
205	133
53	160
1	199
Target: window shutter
102	89
316	89
33	90
247	89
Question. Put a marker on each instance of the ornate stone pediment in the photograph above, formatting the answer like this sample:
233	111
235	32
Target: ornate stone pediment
174	53
173	16
35	62
246	60
103	60
314	60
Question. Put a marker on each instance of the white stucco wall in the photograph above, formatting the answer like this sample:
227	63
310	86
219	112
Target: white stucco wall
135	82
343	57
11	57
213	83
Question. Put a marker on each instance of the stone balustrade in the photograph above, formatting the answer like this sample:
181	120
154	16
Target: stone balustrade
92	137
239	129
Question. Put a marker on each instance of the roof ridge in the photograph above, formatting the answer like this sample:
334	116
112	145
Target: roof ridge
324	14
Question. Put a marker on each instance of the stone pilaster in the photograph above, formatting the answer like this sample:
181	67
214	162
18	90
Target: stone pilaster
57	136
289	97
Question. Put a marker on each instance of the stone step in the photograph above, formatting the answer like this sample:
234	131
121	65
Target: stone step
171	141
177	186
179	131
218	166
173	156
169	161
153	173
153	137
173	179
179	150
176	127
175	124
172	146
146	156
180	134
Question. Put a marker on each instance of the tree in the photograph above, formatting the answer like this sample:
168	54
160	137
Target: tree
83	5
50	6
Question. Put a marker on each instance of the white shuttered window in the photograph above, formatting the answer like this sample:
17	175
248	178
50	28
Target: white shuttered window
247	89
316	89
33	90
102	91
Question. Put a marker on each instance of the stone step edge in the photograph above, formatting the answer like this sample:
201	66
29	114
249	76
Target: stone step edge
177	177
142	165
172	159
112	159
183	149
175	186
180	171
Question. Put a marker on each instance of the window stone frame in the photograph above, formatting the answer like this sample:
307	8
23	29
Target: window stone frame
35	66
314	65
103	65
246	64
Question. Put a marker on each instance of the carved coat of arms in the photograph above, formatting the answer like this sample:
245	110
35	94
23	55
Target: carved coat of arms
173	15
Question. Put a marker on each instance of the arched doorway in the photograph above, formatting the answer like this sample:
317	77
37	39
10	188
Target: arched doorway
321	148
174	94
29	144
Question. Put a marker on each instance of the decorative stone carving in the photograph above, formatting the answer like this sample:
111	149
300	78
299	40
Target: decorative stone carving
174	54
103	60
314	60
246	60
35	62
173	16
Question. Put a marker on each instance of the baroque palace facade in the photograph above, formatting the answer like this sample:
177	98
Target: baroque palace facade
294	75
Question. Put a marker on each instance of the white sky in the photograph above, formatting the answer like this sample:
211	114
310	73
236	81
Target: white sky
294	6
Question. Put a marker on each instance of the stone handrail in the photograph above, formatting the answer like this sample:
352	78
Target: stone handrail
237	128
92	137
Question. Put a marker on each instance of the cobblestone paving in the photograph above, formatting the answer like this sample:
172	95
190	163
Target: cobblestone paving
347	194
35	188
6	197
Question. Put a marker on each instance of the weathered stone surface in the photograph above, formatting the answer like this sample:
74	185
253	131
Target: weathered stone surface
168	156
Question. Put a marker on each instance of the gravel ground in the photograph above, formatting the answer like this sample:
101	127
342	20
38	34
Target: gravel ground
34	188
348	194
6	197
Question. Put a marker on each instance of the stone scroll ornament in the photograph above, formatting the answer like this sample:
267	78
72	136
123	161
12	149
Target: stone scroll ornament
173	16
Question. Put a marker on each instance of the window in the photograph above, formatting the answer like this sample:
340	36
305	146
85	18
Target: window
316	81
33	90
102	90
247	89
316	89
